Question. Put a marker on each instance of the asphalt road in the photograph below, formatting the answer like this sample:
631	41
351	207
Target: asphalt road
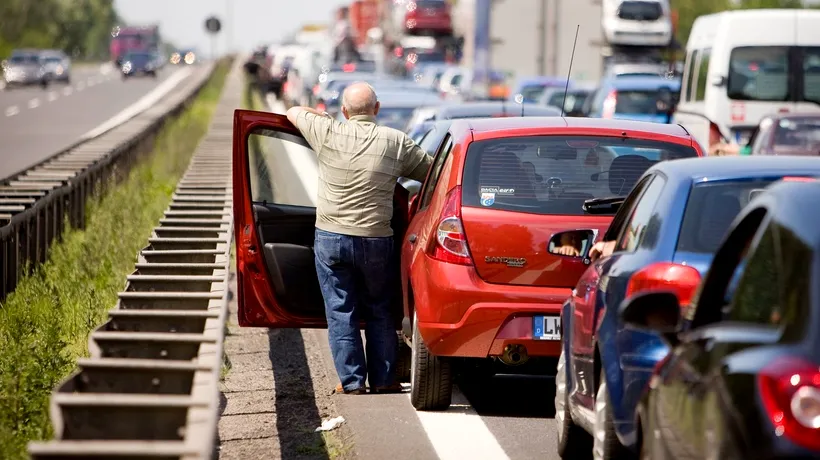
36	123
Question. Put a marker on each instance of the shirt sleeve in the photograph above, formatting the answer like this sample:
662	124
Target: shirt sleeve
314	128
416	162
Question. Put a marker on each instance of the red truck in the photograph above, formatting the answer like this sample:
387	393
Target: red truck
364	15
126	39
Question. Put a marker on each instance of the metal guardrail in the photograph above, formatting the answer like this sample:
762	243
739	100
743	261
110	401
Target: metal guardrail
35	204
150	388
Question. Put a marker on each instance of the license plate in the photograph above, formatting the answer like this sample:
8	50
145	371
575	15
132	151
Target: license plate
546	328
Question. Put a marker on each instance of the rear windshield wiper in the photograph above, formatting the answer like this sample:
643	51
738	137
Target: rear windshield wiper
608	205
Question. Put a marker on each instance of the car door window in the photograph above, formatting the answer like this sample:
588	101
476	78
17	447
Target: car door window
687	90
642	217
622	216
435	172
266	150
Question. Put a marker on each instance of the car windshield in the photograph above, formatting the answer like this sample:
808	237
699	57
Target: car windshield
798	134
139	58
417	56
394	117
430	3
556	174
532	93
643	102
53	59
711	208
640	11
24	59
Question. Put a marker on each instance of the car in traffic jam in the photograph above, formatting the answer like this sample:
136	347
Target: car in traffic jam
661	273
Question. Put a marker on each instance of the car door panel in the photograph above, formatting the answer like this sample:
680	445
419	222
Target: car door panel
275	225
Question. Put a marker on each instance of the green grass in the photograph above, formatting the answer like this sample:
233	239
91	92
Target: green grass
44	324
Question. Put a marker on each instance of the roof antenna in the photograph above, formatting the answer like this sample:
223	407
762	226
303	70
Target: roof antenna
569	74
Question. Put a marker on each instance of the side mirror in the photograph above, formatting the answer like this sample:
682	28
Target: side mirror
719	81
657	311
573	244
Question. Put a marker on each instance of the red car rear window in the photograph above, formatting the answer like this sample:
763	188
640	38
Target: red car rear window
556	174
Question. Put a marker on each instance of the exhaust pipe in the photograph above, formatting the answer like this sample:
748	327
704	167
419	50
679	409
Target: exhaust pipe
514	355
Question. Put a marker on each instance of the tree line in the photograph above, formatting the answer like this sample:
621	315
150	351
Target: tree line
81	28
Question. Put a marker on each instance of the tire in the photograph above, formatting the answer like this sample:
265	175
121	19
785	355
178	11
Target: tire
431	377
403	361
573	441
605	444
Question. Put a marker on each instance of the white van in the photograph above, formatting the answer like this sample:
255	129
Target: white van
743	65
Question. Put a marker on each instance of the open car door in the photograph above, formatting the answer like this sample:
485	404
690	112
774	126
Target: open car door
275	176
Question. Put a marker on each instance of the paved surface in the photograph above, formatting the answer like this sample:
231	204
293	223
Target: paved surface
36	123
278	391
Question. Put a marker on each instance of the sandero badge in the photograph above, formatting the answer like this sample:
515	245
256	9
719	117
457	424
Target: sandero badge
510	261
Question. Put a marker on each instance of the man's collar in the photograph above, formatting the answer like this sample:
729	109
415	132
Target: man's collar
368	118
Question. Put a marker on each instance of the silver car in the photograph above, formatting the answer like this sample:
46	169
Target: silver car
24	67
57	65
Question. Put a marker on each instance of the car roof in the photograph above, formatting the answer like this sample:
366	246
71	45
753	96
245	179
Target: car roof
631	83
402	99
717	168
490	125
467	108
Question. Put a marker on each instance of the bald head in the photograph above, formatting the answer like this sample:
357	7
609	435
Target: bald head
359	99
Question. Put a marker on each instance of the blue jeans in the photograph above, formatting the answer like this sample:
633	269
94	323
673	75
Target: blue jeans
356	281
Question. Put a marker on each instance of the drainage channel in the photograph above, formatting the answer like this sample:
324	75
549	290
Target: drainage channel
149	390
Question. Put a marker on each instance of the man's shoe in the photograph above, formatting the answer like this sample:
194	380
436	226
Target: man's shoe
394	388
339	390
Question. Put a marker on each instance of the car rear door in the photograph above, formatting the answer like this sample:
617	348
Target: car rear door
275	187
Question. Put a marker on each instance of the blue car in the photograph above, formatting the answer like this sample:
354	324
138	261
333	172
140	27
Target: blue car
665	233
530	89
636	98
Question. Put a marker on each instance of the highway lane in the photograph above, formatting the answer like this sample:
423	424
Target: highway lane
503	417
37	123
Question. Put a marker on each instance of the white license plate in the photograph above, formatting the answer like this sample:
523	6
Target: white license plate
546	328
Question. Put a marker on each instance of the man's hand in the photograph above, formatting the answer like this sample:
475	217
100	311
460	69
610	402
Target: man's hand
601	249
568	251
293	113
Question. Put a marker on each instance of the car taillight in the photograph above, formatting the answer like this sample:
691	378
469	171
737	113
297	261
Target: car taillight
609	105
790	389
683	280
349	67
799	179
316	90
450	244
321	107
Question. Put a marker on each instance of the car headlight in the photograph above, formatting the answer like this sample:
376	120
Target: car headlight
126	67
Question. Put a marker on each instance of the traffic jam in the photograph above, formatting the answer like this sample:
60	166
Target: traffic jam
625	235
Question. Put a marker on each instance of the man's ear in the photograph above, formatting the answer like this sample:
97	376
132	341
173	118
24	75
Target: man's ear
376	108
344	112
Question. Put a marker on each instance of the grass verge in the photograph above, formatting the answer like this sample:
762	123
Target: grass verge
45	323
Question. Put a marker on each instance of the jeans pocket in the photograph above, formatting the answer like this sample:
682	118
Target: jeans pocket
328	248
378	252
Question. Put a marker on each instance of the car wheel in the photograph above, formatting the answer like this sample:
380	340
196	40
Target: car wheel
431	377
403	361
605	444
573	441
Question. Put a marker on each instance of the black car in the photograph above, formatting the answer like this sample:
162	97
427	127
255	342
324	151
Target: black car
742	379
139	63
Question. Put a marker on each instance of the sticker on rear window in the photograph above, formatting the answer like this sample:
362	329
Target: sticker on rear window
501	191
487	199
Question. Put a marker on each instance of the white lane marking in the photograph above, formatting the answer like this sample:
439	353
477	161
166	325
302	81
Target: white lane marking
52	96
34	103
80	86
67	91
306	166
12	111
460	433
106	68
147	101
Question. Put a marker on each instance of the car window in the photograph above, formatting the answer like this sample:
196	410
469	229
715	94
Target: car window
640	10
811	74
642	218
435	172
622	216
556	174
431	141
642	102
692	59
710	210
798	133
757	298
703	74
394	117
759	73
531	93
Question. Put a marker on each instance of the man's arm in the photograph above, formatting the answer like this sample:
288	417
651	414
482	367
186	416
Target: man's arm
416	161
293	113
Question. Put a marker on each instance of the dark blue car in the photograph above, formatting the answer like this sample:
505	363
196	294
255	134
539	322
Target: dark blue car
666	232
636	98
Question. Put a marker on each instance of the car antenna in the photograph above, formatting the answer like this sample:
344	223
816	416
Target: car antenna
569	73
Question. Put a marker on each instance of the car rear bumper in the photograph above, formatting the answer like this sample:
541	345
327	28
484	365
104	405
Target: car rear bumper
460	315
622	32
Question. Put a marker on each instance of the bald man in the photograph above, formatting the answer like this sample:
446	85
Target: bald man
359	164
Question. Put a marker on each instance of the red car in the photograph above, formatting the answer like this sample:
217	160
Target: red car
481	274
428	16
